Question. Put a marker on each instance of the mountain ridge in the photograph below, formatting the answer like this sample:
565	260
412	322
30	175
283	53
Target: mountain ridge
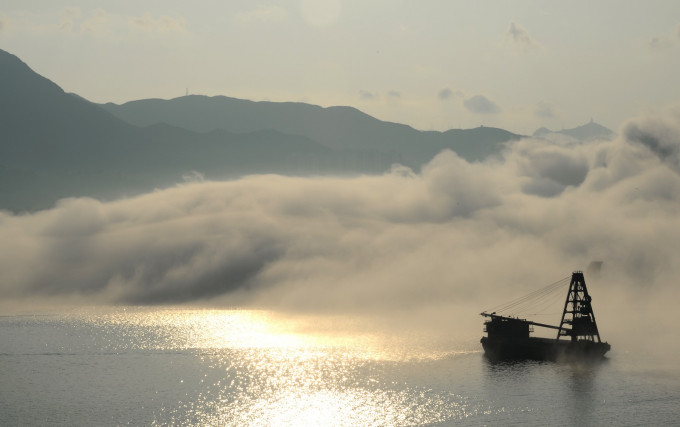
55	144
338	127
586	132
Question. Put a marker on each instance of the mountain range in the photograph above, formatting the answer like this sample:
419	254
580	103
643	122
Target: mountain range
587	132
339	128
54	144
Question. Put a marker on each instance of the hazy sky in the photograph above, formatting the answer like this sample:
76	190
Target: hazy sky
431	64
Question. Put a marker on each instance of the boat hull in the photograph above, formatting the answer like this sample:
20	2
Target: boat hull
543	349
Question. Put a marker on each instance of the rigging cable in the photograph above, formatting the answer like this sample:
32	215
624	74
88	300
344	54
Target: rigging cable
523	302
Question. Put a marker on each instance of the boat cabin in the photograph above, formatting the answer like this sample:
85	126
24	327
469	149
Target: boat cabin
506	328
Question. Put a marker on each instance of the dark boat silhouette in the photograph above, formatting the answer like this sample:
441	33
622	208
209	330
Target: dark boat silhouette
509	338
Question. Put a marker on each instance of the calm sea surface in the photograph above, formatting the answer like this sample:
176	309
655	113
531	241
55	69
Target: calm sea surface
199	367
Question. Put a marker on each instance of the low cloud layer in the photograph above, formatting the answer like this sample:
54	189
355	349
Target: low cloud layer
456	235
658	133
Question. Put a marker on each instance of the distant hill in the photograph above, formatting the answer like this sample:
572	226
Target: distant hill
340	128
588	132
55	144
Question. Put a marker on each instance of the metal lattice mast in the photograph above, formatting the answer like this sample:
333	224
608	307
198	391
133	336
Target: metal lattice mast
578	312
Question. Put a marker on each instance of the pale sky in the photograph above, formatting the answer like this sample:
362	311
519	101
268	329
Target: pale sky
431	64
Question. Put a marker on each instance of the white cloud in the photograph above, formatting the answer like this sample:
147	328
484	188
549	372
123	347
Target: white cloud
480	104
666	40
162	24
321	13
544	111
69	17
518	36
660	43
447	93
659	133
367	96
262	13
102	24
4	23
549	168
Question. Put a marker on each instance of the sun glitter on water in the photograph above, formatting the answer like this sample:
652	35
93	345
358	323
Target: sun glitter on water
267	372
241	329
254	367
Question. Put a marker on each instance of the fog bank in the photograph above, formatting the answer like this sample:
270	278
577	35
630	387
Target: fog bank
438	246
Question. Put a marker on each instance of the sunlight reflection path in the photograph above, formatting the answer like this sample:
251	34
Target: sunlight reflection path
259	370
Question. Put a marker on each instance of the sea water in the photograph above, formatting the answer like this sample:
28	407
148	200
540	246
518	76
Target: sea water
161	366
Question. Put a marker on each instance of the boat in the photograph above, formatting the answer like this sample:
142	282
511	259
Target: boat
508	338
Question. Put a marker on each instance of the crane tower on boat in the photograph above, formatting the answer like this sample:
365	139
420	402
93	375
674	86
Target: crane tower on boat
509	337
